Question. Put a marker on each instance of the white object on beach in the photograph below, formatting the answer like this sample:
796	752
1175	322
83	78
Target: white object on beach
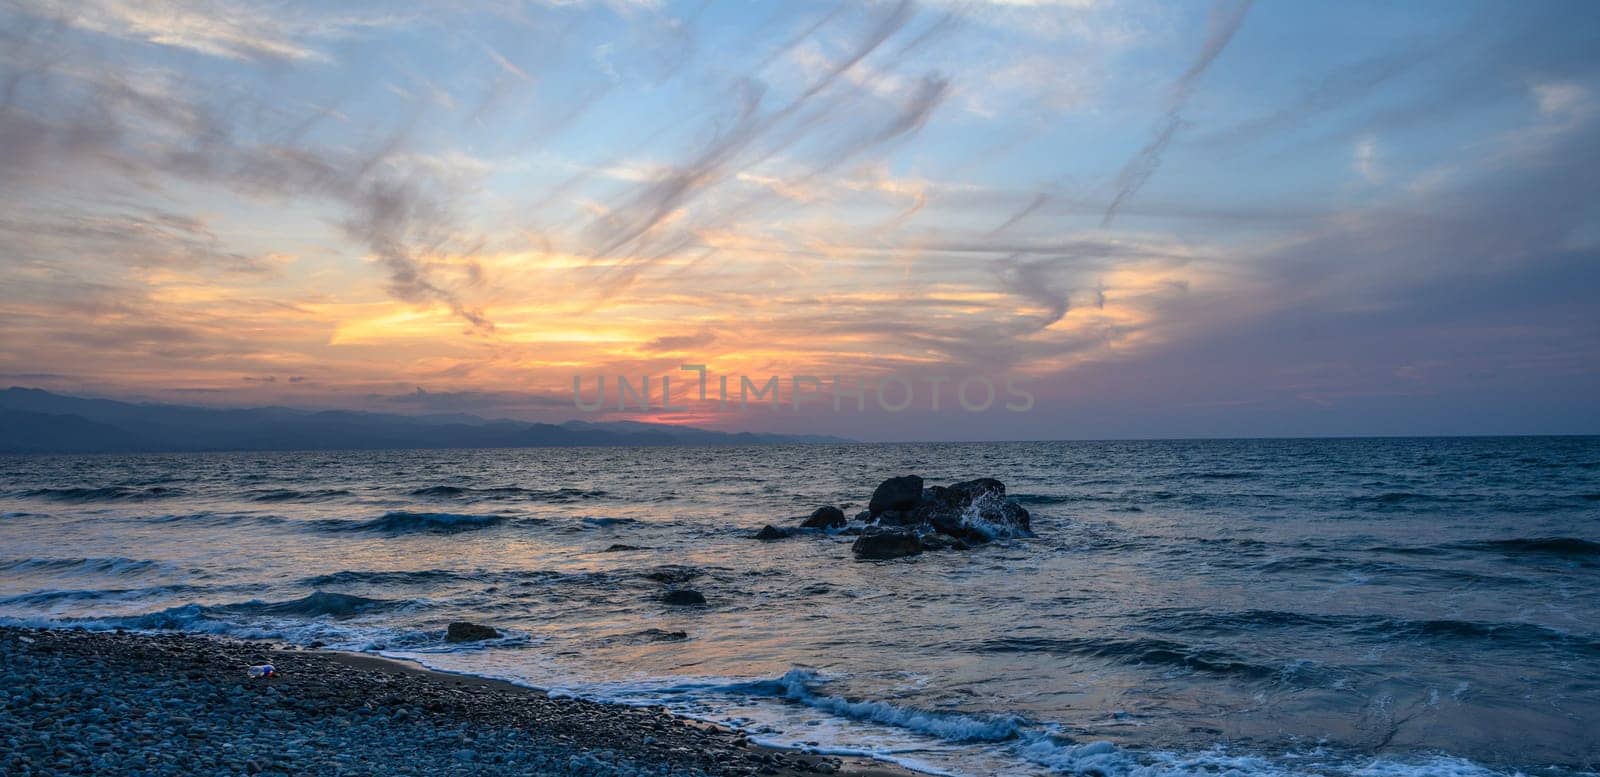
262	670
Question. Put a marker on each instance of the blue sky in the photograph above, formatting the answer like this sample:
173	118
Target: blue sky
1169	219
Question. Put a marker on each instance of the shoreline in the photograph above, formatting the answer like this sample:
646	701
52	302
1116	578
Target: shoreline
79	701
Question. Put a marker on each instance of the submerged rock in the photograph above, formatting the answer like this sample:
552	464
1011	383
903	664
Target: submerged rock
886	544
937	542
462	631
672	574
620	548
901	493
769	533
825	517
658	635
683	597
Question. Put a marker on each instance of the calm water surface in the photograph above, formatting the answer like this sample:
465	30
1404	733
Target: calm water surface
1398	606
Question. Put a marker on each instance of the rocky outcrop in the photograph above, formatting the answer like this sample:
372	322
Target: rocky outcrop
973	510
461	631
904	518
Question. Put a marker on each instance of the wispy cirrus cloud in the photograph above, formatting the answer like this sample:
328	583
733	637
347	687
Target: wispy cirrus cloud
1226	18
218	28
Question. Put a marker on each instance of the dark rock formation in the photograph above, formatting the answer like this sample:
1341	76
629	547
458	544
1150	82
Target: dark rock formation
901	493
904	518
825	517
974	510
886	544
620	548
683	597
461	631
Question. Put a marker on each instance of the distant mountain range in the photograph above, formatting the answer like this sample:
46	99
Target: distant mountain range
37	421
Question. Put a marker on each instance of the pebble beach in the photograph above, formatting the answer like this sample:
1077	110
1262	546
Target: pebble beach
86	702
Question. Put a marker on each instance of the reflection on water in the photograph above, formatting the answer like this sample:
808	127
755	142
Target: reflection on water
1278	606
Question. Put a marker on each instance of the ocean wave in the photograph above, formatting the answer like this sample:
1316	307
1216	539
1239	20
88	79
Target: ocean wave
1562	547
385	578
292	495
52	597
439	491
1377	628
211	519
1400	499
239	619
114	565
392	578
1106	759
1236	622
457	492
608	521
1138	651
407	522
1044	499
1221	475
557	495
318	604
799	686
195	618
1511	635
102	494
1350	566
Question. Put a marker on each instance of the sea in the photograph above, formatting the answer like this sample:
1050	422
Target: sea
1382	607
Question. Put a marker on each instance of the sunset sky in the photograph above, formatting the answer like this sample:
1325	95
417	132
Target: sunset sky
1169	219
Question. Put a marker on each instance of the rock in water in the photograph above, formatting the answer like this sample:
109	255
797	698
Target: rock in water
901	493
886	545
970	491
769	533
974	510
461	631
825	517
683	597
